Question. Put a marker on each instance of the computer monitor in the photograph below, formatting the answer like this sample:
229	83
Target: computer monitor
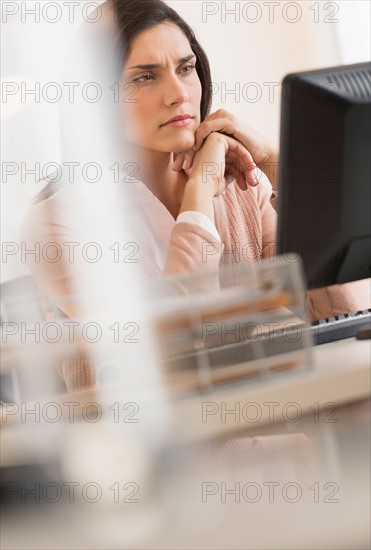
324	201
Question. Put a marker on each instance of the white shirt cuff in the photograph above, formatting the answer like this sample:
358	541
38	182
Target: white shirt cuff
197	218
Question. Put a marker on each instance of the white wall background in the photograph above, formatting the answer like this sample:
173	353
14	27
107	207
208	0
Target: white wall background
251	46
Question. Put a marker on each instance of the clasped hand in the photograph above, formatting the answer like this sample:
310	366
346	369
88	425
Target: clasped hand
225	149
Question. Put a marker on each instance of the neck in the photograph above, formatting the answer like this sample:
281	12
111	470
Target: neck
154	170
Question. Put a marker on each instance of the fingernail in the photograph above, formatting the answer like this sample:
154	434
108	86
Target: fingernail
253	182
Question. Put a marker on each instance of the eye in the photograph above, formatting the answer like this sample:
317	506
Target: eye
143	78
188	68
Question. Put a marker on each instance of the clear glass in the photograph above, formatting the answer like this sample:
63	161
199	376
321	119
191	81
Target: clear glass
238	323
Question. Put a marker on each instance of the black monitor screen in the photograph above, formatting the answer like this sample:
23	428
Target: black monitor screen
324	201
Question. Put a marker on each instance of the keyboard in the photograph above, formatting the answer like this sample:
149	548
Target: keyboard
340	326
323	331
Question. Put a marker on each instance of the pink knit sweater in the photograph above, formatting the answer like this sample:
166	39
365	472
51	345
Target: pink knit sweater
245	220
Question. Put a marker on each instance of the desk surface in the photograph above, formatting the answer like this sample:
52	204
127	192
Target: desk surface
330	472
327	462
340	375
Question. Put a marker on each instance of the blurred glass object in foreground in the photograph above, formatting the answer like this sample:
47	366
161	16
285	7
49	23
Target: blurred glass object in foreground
221	327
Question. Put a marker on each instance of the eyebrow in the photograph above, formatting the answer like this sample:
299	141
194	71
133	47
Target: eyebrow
149	66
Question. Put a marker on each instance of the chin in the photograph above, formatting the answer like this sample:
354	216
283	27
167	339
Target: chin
182	143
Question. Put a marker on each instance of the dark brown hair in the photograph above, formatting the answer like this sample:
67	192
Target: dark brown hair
134	16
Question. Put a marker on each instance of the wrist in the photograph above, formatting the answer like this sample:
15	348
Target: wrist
198	197
201	186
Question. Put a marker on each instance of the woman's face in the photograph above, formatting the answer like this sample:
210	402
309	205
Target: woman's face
160	83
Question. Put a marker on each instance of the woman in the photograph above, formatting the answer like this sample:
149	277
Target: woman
196	181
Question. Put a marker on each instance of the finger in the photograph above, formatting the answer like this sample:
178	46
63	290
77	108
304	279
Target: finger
220	113
237	149
223	125
236	175
178	162
245	175
189	156
201	134
242	158
247	172
250	176
238	170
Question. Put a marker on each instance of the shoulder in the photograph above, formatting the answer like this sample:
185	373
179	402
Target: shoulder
36	221
51	219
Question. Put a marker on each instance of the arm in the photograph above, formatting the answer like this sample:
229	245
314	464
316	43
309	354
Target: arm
337	299
192	247
41	226
261	153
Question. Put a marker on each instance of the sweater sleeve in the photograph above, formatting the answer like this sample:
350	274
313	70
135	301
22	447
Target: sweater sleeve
337	299
192	248
201	220
40	228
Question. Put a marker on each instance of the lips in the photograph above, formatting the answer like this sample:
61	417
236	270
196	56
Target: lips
177	119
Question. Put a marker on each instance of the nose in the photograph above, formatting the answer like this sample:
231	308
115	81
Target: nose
175	91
